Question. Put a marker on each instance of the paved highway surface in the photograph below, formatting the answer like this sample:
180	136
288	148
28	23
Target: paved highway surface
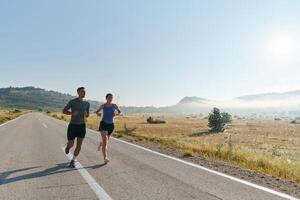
33	166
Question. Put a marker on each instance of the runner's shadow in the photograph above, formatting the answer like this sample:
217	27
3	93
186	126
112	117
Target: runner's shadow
59	168
4	175
95	166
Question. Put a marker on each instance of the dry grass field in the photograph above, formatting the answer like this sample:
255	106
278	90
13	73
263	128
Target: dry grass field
263	145
6	115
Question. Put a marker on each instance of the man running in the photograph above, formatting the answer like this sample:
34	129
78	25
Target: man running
76	129
106	127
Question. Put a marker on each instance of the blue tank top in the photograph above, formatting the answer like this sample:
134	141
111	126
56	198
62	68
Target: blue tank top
108	114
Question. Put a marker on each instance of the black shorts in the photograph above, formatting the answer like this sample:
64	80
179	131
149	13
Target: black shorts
106	127
76	130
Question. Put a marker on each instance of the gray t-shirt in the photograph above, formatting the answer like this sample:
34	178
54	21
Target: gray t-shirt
78	106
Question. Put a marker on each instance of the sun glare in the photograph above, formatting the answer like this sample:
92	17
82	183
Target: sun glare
282	48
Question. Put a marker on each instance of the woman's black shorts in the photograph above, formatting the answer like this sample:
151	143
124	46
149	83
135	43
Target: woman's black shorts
76	130
106	127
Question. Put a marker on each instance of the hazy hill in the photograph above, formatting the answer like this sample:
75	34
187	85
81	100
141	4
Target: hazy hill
281	104
35	98
271	96
267	104
187	100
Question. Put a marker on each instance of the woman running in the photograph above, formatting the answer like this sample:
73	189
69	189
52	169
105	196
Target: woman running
106	126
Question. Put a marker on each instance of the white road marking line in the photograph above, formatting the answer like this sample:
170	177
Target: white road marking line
98	190
11	120
209	170
45	125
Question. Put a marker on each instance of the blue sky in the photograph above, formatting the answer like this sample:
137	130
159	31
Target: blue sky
151	52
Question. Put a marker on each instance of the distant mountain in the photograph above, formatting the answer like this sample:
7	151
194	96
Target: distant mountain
267	104
35	98
187	105
271	96
283	104
187	100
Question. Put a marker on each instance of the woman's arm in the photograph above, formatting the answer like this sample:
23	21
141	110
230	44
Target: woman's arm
87	112
99	109
118	109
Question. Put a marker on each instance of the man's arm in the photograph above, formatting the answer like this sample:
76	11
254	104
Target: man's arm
66	109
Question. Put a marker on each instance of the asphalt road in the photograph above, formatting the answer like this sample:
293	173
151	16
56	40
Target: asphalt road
33	166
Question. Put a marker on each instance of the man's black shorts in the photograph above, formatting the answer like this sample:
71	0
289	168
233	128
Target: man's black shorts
106	127
76	130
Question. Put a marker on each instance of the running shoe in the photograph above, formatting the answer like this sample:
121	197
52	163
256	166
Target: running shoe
106	160
72	164
67	150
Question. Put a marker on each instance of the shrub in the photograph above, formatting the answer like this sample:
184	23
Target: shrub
16	111
151	120
295	122
226	117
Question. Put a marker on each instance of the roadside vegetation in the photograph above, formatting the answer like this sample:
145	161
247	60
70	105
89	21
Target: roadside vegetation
264	145
6	115
151	120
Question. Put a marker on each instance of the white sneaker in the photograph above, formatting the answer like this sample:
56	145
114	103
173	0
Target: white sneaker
106	160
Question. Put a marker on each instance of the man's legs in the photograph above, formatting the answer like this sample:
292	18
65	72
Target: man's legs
76	151
70	144
78	146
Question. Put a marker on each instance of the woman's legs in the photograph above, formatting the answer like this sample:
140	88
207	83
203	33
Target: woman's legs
105	138
100	145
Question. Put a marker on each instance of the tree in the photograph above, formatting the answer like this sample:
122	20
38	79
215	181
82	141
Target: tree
217	120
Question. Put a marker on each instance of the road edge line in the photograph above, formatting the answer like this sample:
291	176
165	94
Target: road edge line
45	125
280	194
12	120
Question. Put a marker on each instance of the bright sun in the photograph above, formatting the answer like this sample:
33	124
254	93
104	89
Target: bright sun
281	48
